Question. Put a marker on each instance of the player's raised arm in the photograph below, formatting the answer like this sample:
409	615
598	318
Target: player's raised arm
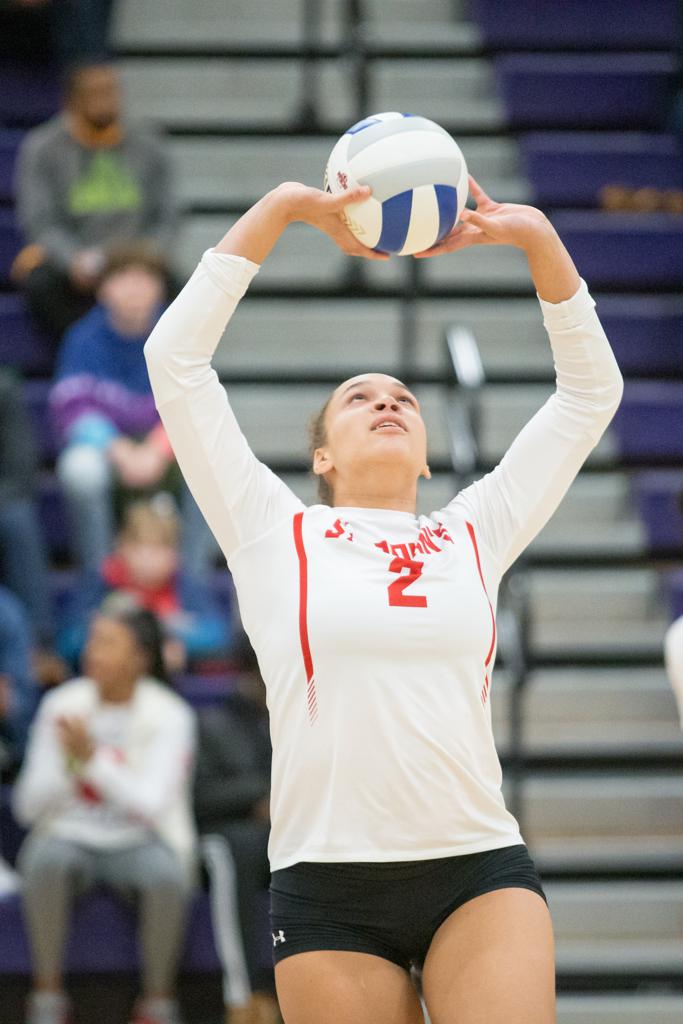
257	231
513	503
239	497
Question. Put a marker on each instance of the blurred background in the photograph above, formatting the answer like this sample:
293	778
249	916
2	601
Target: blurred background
131	136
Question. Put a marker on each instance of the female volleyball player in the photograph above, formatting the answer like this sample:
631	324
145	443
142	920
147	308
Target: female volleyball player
375	633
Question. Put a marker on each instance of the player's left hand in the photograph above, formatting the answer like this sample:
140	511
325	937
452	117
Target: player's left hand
492	223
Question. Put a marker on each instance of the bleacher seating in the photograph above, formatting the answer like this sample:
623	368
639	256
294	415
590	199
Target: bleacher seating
9	144
675	584
10	243
659	497
645	332
53	516
624	250
219	173
36	398
571	169
581	25
29	93
22	344
649	422
102	937
585	90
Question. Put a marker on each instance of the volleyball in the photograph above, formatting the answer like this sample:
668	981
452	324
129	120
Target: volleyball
417	174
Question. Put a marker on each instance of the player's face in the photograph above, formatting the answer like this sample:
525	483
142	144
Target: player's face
373	420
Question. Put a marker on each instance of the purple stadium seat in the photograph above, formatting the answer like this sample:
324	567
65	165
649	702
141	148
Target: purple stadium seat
675	585
581	24
624	249
22	343
204	690
11	833
658	495
9	144
649	421
586	90
645	331
570	168
102	937
36	396
53	518
10	243
29	93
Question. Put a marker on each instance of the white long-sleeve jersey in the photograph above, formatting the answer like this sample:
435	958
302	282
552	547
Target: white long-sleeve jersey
673	661
374	629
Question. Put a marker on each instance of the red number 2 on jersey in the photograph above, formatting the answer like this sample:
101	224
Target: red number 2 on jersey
397	597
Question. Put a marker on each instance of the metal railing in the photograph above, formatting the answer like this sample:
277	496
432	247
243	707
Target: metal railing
353	49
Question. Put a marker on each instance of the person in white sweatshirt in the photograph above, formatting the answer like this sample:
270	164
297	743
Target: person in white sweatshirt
105	788
375	634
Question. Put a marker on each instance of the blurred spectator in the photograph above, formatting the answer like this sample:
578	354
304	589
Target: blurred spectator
232	789
18	689
104	414
68	31
23	558
85	180
146	565
106	789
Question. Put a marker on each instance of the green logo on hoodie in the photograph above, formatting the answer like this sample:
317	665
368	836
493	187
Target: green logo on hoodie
106	186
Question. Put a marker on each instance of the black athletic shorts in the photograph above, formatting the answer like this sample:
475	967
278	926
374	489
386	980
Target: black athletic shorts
389	909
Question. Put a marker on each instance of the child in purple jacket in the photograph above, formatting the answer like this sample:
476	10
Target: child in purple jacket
103	410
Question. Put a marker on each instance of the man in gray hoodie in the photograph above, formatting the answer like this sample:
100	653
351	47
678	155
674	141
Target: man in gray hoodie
86	179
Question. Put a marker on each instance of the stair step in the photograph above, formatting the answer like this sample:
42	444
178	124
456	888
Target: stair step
628	913
590	710
239	170
258	23
305	258
610	1008
596	609
252	91
209	23
613	810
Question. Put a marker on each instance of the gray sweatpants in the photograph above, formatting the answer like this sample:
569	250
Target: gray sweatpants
54	871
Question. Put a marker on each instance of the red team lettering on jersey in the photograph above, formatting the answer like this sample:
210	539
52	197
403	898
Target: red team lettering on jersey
404	563
409	569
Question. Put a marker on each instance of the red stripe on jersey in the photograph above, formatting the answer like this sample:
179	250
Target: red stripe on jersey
311	698
484	692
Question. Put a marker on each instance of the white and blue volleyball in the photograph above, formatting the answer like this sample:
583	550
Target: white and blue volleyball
418	178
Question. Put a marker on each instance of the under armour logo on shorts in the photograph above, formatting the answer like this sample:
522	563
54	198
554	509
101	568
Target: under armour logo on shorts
280	937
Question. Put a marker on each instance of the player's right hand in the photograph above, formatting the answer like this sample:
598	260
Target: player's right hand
324	211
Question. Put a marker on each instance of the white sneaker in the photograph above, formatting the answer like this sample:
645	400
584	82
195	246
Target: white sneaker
48	1008
9	880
